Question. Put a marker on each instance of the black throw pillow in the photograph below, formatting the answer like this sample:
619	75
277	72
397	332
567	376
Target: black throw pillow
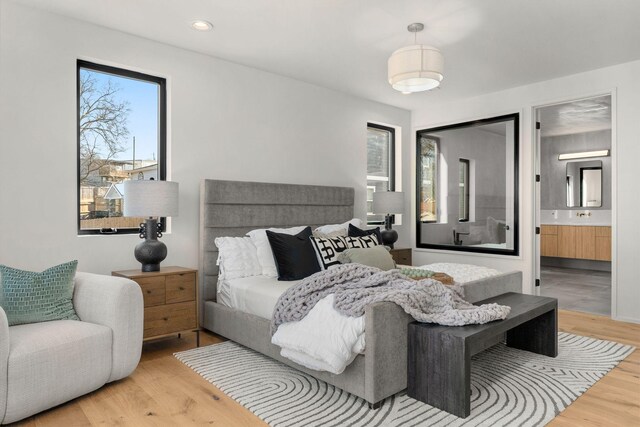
359	232
294	255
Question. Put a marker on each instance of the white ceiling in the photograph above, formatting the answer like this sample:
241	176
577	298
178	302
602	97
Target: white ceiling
585	115
488	45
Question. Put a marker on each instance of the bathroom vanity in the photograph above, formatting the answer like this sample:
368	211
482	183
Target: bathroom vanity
576	241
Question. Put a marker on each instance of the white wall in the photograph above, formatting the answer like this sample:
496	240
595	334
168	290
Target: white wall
226	121
623	81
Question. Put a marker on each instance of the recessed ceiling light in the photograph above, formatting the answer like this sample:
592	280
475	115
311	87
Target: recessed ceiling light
202	25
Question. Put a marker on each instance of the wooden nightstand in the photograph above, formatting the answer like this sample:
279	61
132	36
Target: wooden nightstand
401	256
170	300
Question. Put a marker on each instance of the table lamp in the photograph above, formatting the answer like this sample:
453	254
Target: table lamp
152	199
388	203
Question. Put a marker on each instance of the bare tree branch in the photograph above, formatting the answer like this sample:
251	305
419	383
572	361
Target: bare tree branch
103	124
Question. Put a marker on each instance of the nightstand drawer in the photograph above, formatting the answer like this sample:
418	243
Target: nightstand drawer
153	290
170	300
401	256
169	318
181	287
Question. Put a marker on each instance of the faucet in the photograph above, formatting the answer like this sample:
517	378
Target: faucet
456	237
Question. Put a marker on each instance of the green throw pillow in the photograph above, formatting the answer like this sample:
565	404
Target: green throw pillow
29	297
375	256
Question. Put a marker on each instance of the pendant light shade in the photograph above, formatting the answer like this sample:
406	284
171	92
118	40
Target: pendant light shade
415	68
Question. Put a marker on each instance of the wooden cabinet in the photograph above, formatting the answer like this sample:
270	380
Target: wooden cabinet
603	243
401	256
566	242
585	242
549	240
170	300
576	241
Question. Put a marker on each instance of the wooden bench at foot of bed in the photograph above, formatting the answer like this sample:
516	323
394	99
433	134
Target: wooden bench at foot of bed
439	357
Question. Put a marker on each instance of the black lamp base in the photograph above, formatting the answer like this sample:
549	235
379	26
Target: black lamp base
389	236
151	252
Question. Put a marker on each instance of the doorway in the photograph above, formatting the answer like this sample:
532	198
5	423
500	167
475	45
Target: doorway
575	203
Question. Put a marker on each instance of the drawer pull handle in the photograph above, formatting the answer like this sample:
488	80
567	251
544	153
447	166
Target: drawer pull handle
181	288
165	319
148	292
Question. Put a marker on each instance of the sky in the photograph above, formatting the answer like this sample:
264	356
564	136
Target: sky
143	115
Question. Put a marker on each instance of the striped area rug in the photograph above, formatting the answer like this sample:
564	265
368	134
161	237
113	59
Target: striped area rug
509	387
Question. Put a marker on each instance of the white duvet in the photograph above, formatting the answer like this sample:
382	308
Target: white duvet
324	340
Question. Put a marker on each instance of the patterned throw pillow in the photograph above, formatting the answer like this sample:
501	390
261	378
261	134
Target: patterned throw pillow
327	249
357	232
29	297
361	241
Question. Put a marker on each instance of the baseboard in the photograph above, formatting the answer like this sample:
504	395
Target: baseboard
626	319
580	264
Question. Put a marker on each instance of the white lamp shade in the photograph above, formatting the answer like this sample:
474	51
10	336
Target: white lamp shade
388	202
150	198
415	68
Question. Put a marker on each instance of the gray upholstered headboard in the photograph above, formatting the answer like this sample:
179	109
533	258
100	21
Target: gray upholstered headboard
232	208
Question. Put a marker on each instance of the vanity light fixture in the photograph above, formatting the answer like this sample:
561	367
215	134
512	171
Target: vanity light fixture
415	68
583	155
201	25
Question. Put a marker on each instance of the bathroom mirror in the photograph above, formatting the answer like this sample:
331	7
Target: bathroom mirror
584	184
467	186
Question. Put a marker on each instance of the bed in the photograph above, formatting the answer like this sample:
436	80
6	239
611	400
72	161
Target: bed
232	208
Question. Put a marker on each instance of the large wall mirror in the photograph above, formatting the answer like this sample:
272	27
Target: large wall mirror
584	184
467	186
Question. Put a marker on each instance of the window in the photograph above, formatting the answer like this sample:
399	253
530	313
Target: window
121	136
380	165
463	190
428	178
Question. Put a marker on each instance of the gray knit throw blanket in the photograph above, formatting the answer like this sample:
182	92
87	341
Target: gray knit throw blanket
355	286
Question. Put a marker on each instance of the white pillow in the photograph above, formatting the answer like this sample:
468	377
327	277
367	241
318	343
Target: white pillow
333	228
237	257
265	254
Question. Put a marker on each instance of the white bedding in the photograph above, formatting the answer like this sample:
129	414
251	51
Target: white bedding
255	295
324	340
462	273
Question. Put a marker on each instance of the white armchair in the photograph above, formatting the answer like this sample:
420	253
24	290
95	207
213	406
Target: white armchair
46	364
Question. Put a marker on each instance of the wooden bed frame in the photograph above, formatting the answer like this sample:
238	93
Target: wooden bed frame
232	208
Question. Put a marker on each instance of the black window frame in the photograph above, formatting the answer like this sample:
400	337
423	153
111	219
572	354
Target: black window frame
392	163
162	133
467	191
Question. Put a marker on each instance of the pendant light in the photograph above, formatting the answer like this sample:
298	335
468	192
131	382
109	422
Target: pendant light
415	68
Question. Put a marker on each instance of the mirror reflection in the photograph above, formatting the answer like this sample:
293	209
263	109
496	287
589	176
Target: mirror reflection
584	184
467	186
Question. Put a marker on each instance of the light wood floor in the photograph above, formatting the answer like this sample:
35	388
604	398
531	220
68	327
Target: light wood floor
164	392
